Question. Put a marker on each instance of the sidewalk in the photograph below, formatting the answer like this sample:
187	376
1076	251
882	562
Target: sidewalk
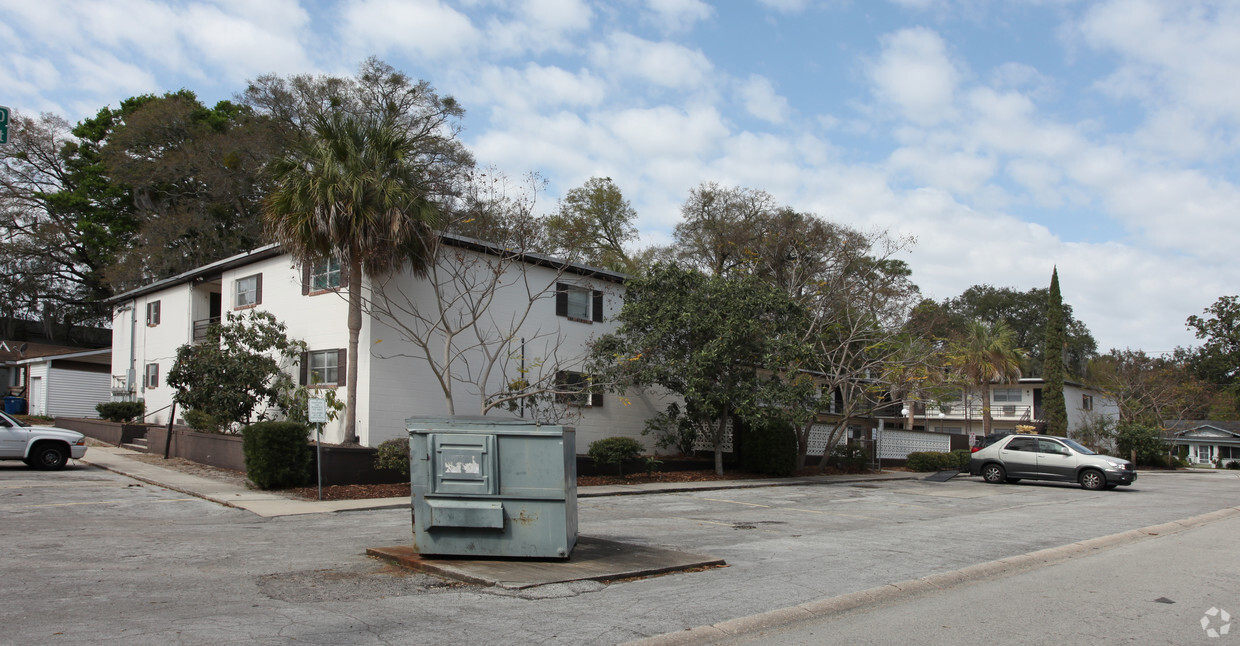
270	505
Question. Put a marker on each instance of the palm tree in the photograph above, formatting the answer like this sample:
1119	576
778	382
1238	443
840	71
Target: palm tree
354	190
984	355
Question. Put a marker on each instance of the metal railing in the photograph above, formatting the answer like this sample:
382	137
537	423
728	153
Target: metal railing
201	326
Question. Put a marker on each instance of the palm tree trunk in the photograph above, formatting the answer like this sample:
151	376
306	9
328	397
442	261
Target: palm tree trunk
986	419
355	330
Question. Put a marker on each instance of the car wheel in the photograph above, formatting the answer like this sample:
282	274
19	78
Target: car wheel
993	473
49	457
1092	480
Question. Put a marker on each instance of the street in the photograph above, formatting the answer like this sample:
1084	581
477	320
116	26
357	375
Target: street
95	557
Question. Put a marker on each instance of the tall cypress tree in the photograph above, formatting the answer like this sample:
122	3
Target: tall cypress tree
1054	408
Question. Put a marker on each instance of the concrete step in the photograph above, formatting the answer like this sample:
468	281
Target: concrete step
137	445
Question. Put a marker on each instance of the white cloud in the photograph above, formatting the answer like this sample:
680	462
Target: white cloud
758	96
424	28
678	15
664	64
538	26
914	75
516	92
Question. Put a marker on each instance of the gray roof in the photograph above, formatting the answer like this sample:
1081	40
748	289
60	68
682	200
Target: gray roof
1181	425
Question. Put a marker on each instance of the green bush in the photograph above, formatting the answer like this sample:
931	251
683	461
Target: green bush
277	454
1148	443
930	461
1234	464
962	458
768	447
394	454
614	450
849	457
121	411
202	421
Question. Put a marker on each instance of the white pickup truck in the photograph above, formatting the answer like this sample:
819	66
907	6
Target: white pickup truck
42	447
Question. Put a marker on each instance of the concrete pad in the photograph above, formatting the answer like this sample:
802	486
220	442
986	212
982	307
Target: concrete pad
594	559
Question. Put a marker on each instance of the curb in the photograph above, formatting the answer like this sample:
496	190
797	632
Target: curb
739	484
911	588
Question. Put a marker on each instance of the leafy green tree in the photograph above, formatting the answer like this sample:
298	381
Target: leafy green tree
1143	443
365	181
1025	314
239	372
718	342
1054	408
985	355
720	227
1217	361
1152	389
593	225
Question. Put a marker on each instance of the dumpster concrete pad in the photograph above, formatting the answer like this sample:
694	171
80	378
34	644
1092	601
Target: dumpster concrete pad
594	559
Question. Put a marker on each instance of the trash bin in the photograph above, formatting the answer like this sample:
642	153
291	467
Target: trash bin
484	487
14	405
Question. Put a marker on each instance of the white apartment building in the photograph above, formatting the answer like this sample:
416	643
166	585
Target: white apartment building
556	307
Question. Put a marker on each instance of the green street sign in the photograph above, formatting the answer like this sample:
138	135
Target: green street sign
4	125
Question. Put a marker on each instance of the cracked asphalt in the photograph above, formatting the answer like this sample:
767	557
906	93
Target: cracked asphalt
93	557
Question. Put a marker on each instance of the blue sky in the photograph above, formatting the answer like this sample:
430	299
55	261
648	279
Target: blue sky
1005	137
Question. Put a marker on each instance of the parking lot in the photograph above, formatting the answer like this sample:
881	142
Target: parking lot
95	557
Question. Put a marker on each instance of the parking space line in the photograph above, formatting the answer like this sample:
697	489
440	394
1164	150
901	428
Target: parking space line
737	502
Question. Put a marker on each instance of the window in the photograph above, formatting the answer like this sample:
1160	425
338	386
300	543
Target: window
322	275
249	291
152	375
1228	452
578	303
324	367
1087	402
1007	394
152	313
1021	444
574	387
1051	446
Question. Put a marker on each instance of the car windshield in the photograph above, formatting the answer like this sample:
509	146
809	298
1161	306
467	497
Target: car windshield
1076	447
12	421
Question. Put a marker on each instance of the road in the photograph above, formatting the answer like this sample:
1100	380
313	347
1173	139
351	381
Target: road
91	557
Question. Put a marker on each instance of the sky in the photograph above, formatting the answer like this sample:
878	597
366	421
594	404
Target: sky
1005	138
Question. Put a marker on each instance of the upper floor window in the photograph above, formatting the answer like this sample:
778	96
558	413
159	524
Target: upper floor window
249	291
152	375
1007	394
152	313
1087	402
322	275
578	303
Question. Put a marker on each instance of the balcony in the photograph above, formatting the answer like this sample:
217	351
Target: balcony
201	326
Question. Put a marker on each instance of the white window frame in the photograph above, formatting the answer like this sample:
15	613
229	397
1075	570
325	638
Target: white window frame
246	296
329	271
326	374
994	395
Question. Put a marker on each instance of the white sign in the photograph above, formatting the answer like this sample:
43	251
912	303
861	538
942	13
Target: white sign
317	410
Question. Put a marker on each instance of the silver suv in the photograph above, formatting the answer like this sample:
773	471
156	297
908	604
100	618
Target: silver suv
1041	457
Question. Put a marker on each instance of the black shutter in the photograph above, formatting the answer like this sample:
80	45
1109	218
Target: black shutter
258	289
305	278
561	299
342	367
598	307
305	369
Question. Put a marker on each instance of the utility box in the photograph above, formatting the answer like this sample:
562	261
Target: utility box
485	487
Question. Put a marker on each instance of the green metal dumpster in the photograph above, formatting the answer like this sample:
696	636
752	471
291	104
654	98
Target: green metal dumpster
486	487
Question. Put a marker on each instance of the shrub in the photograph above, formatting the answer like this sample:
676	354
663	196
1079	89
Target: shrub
394	454
962	458
121	411
849	457
203	421
1234	464
671	430
614	450
930	461
1146	441
768	447
277	454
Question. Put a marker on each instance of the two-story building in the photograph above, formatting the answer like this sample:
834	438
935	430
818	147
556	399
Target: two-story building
556	309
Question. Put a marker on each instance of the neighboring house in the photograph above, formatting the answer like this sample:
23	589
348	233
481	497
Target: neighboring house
56	380
1208	442
1011	405
576	303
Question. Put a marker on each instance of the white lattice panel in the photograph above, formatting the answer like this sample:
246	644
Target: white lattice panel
704	443
896	445
818	436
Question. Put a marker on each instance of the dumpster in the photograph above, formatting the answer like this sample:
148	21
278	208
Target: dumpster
14	405
484	487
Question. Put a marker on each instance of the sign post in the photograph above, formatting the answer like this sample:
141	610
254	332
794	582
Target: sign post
317	414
